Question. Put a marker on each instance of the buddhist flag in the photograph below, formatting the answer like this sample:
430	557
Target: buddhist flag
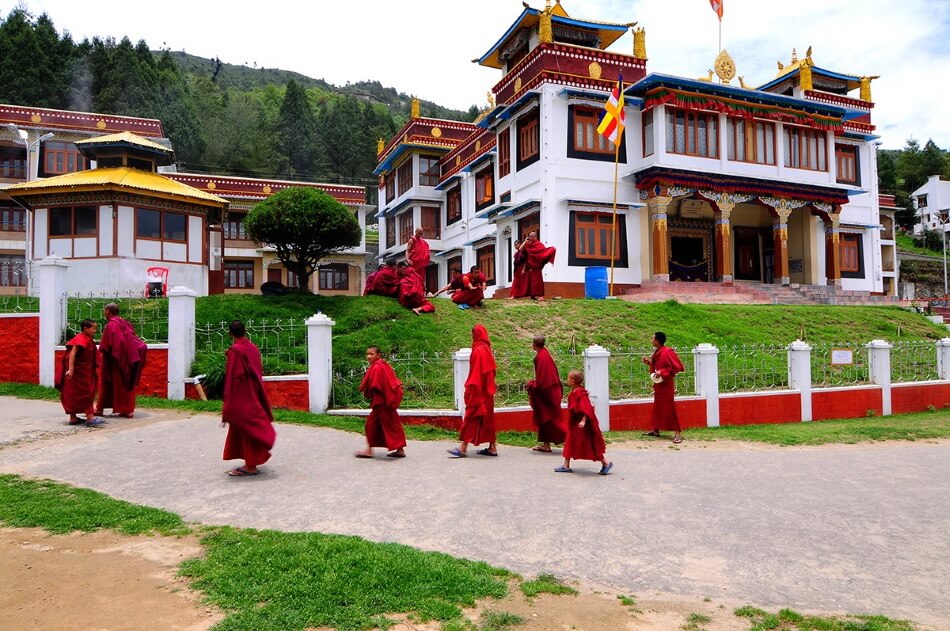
717	7
612	119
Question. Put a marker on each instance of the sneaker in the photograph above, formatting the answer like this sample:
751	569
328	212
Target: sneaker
96	422
605	470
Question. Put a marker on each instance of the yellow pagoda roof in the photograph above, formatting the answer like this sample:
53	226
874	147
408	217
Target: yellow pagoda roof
125	179
125	137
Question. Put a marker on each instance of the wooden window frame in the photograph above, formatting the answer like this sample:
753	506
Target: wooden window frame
585	119
691	128
578	256
528	224
801	138
529	138
846	155
390	232
244	273
453	205
752	153
485	188
485	259
647	131
390	187
72	223
161	225
504	152
329	274
12	219
430	176
404	175
12	270
432	228
922	201
847	269
57	157
233	229
405	226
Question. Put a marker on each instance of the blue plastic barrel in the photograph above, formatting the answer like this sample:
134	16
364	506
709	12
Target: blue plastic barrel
595	283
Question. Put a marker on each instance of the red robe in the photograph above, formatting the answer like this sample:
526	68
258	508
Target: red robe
470	294
123	358
478	424
545	392
412	293
370	283
520	281
536	257
386	282
666	362
78	393
419	256
384	391
583	443
245	407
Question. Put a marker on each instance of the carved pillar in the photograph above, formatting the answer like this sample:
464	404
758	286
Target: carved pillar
661	256
724	242
833	251
780	234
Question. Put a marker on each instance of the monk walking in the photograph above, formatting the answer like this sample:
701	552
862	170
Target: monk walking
384	391
545	392
536	256
478	424
664	364
245	407
76	377
417	254
584	438
123	359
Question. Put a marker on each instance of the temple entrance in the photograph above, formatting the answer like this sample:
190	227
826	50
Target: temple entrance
691	250
747	265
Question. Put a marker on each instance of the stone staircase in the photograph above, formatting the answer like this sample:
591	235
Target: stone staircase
754	293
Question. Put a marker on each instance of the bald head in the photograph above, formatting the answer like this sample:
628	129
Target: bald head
533	236
418	232
111	309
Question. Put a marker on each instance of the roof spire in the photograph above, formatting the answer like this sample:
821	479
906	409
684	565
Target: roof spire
414	108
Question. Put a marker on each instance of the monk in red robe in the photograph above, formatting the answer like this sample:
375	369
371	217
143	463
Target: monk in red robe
418	255
371	281
536	256
664	364
520	280
545	392
76	377
245	407
453	285
584	438
473	290
386	282
412	293
384	391
478	424
123	359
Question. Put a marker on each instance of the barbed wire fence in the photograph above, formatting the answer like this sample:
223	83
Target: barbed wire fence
149	316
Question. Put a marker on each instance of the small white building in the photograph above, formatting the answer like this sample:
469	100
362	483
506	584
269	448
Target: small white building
932	201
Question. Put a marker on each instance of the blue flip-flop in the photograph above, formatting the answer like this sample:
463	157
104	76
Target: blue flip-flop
455	452
564	470
95	422
605	470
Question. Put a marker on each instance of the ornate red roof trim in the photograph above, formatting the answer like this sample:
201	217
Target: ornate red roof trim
42	118
420	131
250	188
477	145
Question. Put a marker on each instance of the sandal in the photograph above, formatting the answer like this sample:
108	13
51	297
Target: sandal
395	454
542	450
564	470
653	433
605	470
457	453
485	452
677	440
360	454
241	472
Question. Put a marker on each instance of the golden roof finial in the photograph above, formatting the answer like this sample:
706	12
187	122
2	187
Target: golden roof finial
866	88
380	145
794	56
545	31
805	79
414	109
640	43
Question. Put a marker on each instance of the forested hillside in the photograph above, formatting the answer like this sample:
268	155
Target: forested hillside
221	117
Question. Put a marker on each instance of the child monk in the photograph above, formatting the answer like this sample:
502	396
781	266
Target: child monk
76	377
384	390
584	440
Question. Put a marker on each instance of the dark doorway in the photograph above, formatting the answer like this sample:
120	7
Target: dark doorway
274	275
687	259
747	255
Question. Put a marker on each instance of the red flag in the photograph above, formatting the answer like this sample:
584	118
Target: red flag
717	7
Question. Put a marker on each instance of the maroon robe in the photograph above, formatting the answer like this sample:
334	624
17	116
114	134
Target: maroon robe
545	392
536	257
520	281
123	358
386	282
583	443
384	391
471	293
370	283
418	256
478	424
667	363
245	407
78	393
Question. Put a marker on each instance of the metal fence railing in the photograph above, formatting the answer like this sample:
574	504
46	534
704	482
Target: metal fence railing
282	342
630	378
149	316
825	374
753	368
913	361
19	303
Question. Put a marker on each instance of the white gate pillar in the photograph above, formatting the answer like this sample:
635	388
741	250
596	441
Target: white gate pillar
799	374
706	365
943	359
181	339
319	361
879	358
52	314
597	381
461	362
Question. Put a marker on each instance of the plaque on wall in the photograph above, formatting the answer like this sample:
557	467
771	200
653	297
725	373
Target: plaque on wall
796	265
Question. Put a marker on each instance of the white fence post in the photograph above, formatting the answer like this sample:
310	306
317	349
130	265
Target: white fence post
319	361
597	380
461	361
799	374
706	365
879	358
181	339
943	359
52	314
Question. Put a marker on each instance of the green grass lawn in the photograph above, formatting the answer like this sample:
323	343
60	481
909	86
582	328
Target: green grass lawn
906	243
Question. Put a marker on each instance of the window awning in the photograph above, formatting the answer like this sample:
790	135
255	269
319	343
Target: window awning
530	204
446	183
621	205
389	212
447	254
481	240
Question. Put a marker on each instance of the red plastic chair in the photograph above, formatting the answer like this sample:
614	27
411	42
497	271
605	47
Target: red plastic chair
157	284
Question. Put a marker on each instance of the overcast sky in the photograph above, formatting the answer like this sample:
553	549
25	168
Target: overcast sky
425	47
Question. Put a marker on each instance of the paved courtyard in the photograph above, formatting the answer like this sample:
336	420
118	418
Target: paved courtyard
851	528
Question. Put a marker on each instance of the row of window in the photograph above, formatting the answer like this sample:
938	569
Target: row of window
82	221
12	220
240	275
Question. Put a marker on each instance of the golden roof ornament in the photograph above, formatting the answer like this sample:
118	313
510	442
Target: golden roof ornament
640	43
725	67
545	31
414	109
805	78
380	145
866	88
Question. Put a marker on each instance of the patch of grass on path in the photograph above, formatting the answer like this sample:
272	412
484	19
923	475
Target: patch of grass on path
546	584
275	580
788	620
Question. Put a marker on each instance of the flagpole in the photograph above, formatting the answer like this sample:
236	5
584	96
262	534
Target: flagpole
613	225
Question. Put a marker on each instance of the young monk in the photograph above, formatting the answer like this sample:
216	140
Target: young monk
473	290
454	285
384	391
478	424
545	392
584	439
76	377
664	364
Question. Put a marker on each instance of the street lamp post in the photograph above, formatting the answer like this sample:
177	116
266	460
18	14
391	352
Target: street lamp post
24	137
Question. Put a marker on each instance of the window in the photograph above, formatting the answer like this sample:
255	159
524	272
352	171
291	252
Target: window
335	276
485	259
591	237
428	171
234	227
453	206
157	224
292	279
12	271
173	226
430	223
583	141
238	274
852	257
529	139
12	220
13	163
390	187
750	141
79	221
453	263
805	149
390	232
62	157
484	188
405	226
692	133
846	163
647	120
528	224
921	201
405	176
504	152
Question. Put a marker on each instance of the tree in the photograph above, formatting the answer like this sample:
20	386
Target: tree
296	129
304	225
